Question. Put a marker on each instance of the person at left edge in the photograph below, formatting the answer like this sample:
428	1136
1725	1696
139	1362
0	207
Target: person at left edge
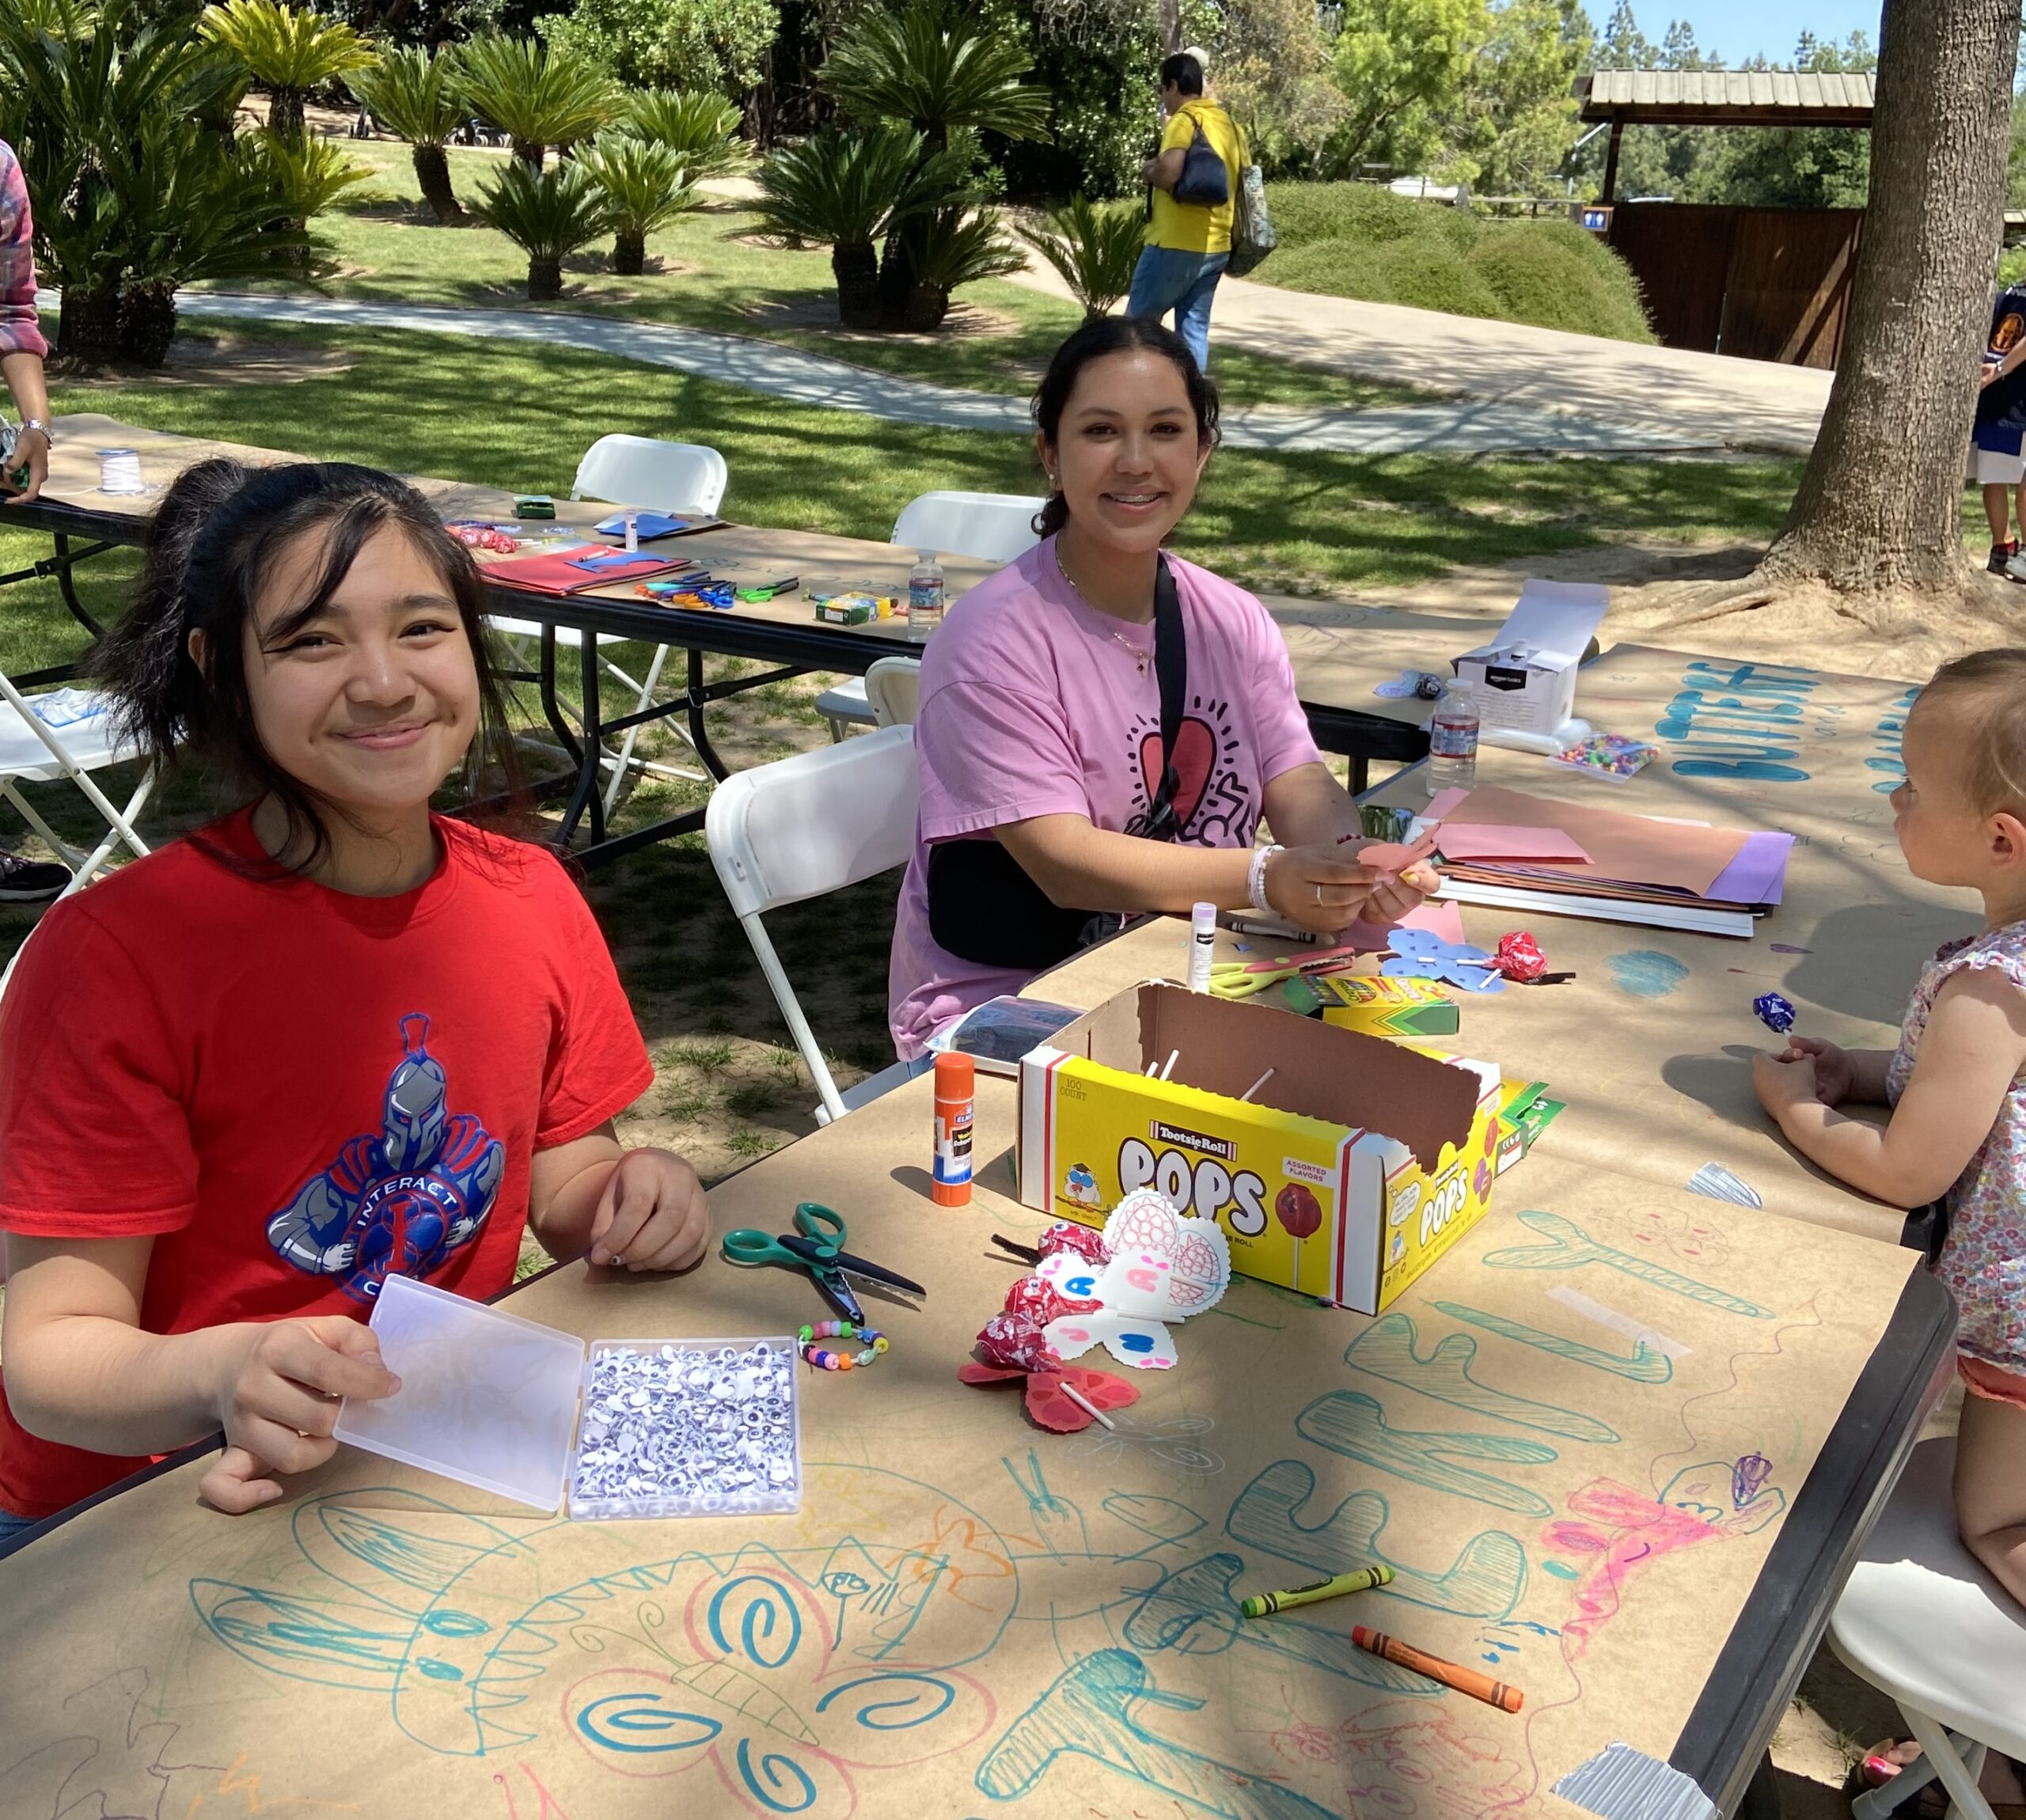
329	1038
22	351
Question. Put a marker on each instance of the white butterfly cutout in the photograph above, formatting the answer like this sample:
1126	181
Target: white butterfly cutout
1163	1267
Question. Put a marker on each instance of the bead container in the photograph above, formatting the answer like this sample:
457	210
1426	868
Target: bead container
618	1428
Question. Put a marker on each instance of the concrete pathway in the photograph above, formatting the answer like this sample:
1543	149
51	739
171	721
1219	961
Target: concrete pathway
1636	392
1469	426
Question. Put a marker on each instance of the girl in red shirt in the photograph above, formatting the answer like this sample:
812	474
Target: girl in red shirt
329	1038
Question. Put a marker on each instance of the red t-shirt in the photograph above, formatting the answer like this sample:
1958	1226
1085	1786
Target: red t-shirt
295	1090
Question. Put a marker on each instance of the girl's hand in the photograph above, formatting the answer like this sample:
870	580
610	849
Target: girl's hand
1784	1082
1326	889
652	1214
277	1401
1835	1073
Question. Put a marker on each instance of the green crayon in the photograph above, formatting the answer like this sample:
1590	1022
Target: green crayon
1261	1604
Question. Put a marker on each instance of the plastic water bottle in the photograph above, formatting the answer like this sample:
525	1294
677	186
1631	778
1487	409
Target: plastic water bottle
925	595
1452	743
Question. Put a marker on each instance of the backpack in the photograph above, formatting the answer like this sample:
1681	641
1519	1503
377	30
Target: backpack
1205	182
1253	237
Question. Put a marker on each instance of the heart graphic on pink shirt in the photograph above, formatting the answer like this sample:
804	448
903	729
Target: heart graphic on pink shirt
1195	751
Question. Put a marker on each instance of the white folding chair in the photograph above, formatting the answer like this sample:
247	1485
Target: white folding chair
67	733
655	475
802	826
993	527
892	691
1921	1620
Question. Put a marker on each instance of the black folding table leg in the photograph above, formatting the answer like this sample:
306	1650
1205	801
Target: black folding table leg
700	736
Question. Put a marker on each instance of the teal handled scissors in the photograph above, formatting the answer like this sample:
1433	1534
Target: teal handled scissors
816	1246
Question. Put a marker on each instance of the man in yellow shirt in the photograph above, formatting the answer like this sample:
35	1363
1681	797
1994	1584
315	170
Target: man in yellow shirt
1189	243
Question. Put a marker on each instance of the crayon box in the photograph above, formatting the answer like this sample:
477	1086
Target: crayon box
1348	1172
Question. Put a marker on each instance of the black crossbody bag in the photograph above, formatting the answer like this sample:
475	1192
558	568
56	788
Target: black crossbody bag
982	906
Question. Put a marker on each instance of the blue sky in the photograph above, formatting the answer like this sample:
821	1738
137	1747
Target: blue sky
1740	28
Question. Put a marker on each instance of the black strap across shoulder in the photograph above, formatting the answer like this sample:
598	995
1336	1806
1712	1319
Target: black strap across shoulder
983	907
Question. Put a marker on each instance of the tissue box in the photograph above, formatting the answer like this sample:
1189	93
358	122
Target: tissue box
1346	1175
1524	680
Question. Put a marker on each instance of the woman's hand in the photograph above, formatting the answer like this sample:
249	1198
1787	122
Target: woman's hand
278	1399
1835	1073
1326	889
652	1214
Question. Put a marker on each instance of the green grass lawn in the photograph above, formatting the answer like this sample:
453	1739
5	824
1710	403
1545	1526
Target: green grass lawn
713	275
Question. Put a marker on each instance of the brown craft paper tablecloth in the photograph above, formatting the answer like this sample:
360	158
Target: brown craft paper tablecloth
969	1616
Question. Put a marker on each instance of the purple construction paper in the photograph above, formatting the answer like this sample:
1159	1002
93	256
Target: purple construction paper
1758	874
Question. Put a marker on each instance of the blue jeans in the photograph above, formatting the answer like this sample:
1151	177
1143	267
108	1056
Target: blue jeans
12	1525
1183	283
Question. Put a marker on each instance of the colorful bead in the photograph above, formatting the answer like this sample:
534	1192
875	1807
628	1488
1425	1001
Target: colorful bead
825	1360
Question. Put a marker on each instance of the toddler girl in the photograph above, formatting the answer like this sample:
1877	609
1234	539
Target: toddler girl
1958	1127
329	1038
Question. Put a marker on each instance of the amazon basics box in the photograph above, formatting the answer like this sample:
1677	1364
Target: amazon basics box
1353	1167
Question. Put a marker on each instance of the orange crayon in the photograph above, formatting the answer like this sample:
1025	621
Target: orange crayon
1450	1673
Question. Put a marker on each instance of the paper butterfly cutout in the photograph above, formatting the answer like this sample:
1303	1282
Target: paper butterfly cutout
1045	1398
1418	955
1162	1268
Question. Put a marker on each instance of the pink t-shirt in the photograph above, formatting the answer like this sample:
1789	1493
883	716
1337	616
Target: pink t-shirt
1033	703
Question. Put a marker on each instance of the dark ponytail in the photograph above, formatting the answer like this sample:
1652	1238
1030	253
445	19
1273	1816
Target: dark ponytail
1115	335
216	540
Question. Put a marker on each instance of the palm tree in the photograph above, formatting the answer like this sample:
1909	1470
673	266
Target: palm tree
1093	246
844	190
549	214
287	51
701	126
645	188
539	95
950	76
413	93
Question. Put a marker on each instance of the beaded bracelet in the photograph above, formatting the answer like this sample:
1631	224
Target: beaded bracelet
824	1360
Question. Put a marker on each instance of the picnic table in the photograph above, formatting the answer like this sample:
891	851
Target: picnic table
782	632
969	1616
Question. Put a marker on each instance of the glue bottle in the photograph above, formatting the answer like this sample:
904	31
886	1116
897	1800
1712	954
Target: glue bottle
956	1086
632	530
1202	946
925	595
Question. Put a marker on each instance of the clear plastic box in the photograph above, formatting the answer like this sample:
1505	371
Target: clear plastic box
496	1402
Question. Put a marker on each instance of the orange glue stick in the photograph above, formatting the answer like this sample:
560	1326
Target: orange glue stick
956	1086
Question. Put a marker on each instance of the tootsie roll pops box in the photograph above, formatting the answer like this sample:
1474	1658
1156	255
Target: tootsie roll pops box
1354	1166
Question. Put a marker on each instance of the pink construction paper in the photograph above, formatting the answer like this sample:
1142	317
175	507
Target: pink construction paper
1476	840
1440	918
1440	804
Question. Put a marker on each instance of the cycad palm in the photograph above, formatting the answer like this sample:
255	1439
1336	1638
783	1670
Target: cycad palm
645	188
844	190
699	126
548	214
413	93
1093	246
538	95
288	51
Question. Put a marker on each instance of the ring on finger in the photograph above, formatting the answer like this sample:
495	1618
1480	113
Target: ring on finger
1319	893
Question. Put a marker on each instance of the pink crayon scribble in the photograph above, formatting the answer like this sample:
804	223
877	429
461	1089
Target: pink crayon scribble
1625	1531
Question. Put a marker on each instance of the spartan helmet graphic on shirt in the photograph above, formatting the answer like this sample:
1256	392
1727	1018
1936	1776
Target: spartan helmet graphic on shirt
401	1201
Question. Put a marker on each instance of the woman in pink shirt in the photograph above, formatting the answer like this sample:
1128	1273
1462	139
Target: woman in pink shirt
1047	812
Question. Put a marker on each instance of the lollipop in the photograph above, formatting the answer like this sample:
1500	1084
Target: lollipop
1300	1215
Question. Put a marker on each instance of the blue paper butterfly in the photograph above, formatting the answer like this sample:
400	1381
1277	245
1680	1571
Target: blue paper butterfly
1418	955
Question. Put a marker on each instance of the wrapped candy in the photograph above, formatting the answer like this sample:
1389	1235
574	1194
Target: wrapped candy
1519	956
1014	1342
1066	1235
1041	1303
1775	1013
483	537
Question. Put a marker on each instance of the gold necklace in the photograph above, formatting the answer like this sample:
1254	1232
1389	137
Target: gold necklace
1142	658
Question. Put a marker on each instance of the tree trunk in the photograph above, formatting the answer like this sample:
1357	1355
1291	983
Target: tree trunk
432	172
285	113
544	280
928	304
1880	505
88	326
147	322
530	152
856	267
1170	23
629	253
